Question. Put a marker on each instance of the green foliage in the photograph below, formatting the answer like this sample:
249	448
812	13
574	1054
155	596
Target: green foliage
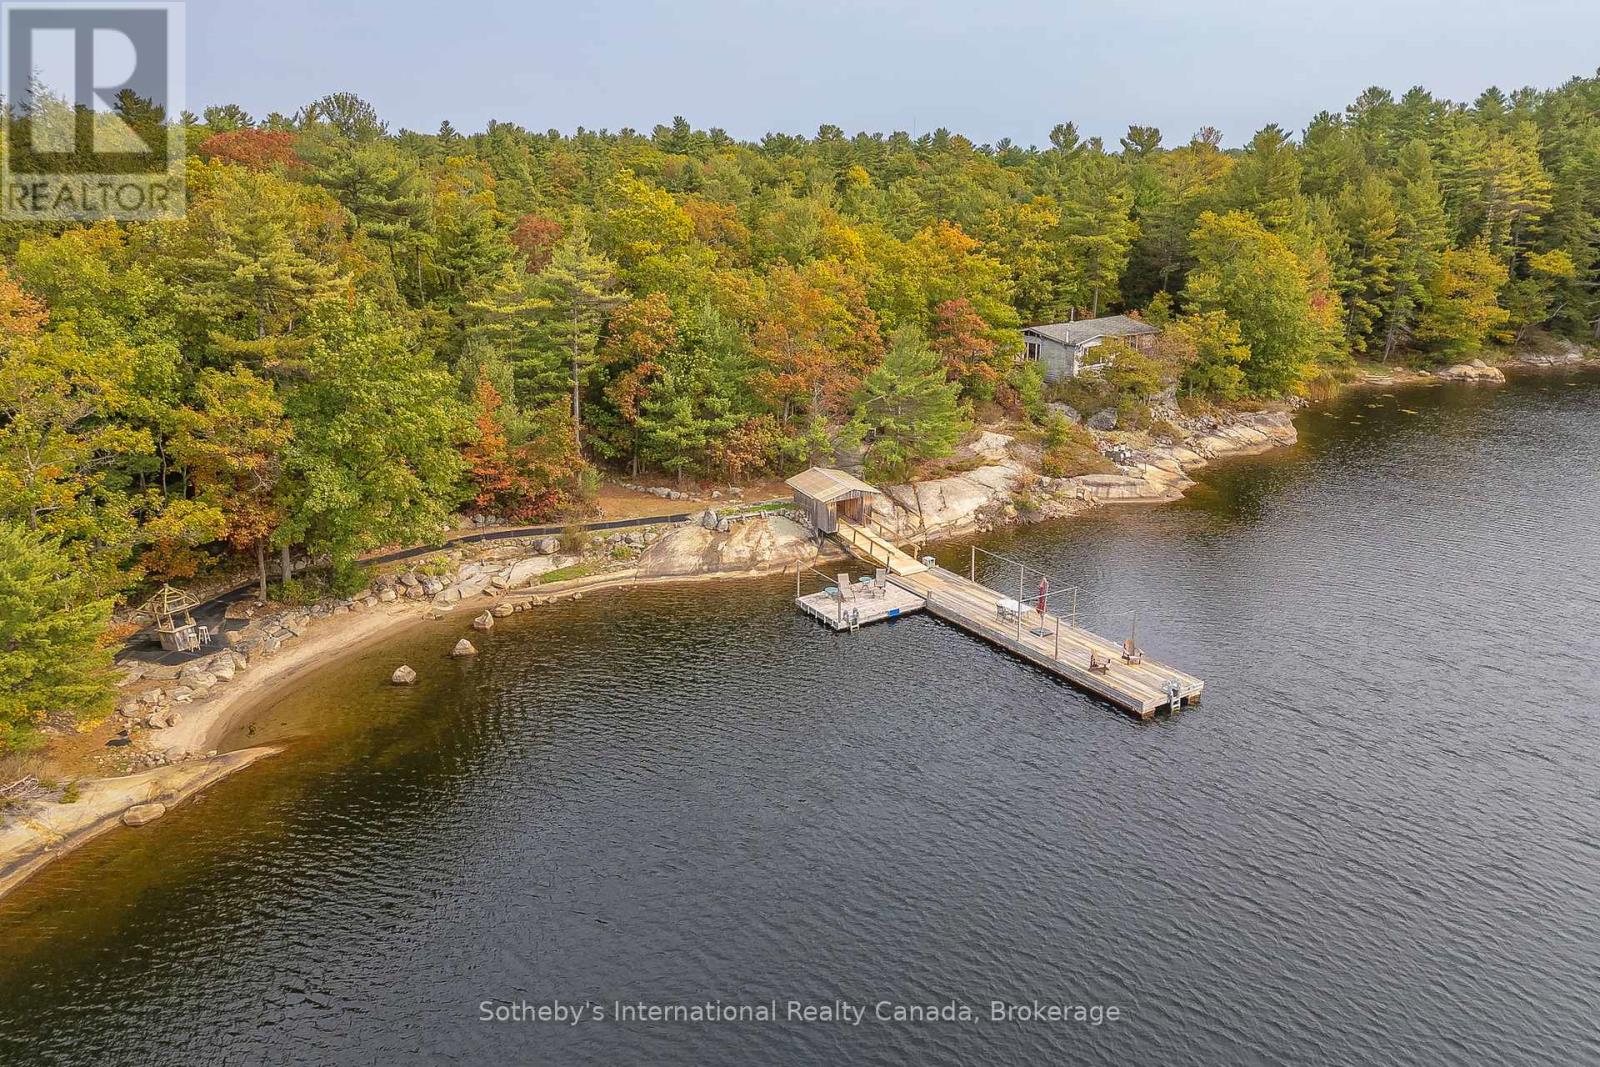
1211	354
906	410
374	458
52	623
563	574
1252	276
341	578
1070	450
1463	309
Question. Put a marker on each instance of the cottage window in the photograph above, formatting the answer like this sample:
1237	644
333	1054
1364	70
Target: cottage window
1033	350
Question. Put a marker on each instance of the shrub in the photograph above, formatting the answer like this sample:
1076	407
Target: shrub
1165	429
1070	450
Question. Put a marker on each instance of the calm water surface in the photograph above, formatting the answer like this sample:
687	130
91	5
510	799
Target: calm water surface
1375	842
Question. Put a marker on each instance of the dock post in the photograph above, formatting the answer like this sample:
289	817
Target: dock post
1021	570
1074	607
1058	637
972	565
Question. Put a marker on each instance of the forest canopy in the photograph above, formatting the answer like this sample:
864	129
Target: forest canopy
356	332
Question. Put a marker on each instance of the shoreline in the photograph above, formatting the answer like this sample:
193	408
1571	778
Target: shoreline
50	829
28	844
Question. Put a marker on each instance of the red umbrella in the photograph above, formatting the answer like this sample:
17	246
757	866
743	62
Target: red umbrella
1044	591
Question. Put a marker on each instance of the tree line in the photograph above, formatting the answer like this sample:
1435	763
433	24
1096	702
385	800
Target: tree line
356	332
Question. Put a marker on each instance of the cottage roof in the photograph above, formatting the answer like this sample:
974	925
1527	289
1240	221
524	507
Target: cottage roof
1077	333
827	484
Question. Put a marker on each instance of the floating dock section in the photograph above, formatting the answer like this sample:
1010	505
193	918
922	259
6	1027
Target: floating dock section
842	613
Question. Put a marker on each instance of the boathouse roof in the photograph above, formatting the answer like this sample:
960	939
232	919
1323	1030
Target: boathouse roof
827	484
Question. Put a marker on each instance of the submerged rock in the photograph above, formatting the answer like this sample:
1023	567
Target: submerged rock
464	648
404	675
483	622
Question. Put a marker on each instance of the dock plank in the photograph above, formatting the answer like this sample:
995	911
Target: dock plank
1139	688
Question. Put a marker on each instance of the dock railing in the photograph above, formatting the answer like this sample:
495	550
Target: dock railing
1030	605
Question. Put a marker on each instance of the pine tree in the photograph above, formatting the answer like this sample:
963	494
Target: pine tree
906	409
1266	182
52	658
1097	231
1421	237
1366	215
571	297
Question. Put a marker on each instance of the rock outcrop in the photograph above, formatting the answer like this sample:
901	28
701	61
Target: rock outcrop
1476	371
988	495
141	814
404	675
762	544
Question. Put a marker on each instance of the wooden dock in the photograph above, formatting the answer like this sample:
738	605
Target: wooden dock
1138	684
1050	642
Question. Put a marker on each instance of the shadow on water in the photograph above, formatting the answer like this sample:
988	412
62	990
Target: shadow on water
1370	844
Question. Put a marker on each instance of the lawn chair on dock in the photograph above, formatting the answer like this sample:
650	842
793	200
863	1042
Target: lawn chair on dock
1099	664
880	584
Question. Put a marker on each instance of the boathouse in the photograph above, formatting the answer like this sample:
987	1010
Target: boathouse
826	495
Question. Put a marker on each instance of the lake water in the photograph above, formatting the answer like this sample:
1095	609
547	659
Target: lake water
1375	841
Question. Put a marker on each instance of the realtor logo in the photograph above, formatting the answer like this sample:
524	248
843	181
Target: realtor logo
92	120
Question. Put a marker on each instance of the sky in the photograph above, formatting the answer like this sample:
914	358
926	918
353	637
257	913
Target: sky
1008	68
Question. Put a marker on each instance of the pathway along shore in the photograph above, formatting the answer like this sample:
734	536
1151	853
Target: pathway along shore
288	644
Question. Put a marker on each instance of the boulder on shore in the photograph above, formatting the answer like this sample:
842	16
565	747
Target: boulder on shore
464	648
403	675
140	814
1476	371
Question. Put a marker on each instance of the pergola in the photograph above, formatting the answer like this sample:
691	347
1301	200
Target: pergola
175	626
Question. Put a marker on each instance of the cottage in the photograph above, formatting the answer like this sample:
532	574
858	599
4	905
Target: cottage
1063	347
